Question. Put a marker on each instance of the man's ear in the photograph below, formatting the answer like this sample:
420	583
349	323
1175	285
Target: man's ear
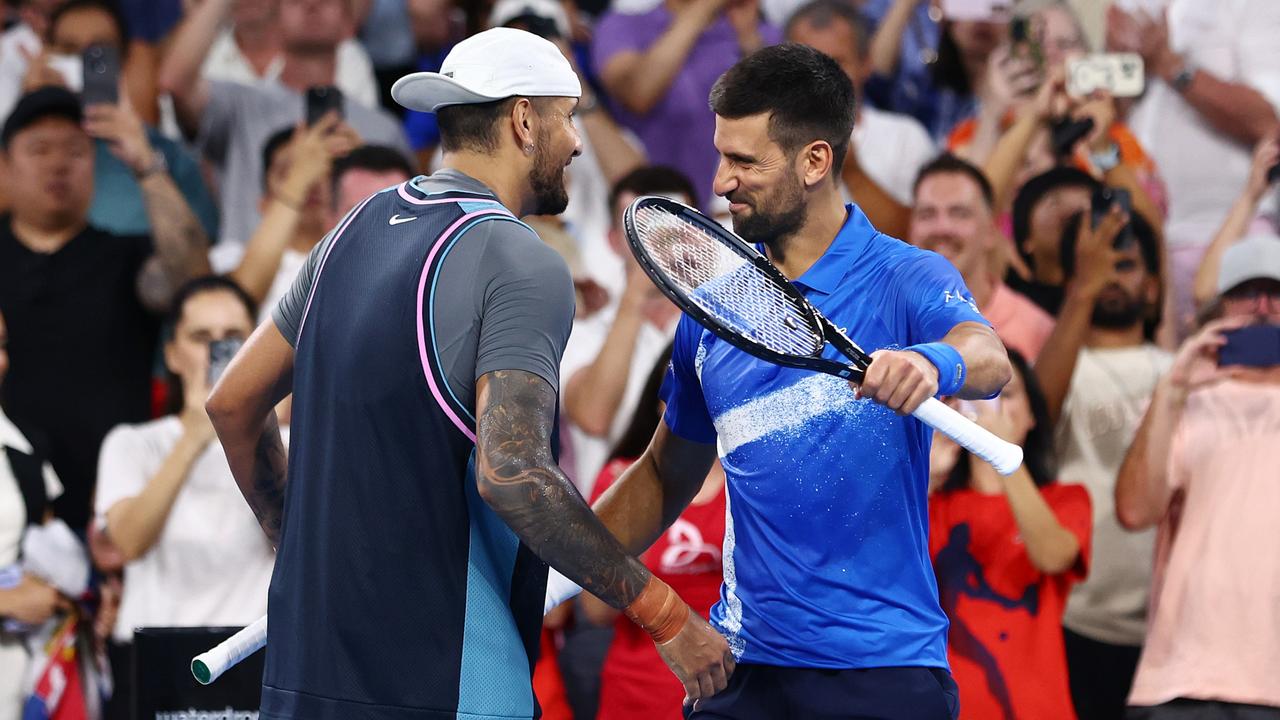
817	161
522	124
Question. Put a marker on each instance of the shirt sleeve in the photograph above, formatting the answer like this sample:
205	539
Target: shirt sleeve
121	471
288	313
1071	505
686	414
933	298
526	309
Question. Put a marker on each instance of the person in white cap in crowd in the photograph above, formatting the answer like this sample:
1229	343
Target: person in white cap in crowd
1203	469
422	342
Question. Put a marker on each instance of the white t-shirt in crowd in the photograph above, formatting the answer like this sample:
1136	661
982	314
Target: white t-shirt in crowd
1109	393
354	71
1204	170
13	64
226	256
589	451
212	563
892	148
13	521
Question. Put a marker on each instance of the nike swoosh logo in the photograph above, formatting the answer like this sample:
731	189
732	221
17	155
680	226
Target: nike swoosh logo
396	219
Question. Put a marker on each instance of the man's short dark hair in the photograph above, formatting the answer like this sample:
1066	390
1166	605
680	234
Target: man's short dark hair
948	164
821	13
373	158
473	126
106	6
652	180
271	148
806	94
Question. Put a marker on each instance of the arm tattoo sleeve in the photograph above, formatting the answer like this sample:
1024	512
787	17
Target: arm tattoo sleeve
181	245
270	468
522	483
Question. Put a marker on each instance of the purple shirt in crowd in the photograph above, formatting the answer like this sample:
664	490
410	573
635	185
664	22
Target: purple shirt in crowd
678	130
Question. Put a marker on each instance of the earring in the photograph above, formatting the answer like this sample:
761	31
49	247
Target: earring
528	149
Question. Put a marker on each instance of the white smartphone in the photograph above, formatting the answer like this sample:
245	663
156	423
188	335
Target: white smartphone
1120	74
977	10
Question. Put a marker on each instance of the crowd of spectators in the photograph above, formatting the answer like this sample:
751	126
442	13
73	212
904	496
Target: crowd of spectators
1125	249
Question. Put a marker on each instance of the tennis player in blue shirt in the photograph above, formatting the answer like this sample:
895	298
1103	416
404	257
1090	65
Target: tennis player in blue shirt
829	601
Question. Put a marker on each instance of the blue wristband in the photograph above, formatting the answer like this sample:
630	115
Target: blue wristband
950	364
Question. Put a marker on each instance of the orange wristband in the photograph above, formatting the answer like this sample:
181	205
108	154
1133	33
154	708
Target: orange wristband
659	610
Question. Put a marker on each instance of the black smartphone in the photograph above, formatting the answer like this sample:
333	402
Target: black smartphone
1100	205
320	100
1252	345
220	354
1273	175
101	75
1065	133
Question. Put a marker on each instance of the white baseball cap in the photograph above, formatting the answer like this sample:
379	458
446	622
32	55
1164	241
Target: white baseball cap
504	11
1256	256
492	65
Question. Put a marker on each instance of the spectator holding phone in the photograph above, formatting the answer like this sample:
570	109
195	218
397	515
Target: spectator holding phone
194	554
1098	372
231	122
1212	94
1242	220
1202	468
1007	551
82	303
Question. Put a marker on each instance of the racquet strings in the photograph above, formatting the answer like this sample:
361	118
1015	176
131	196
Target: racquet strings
726	285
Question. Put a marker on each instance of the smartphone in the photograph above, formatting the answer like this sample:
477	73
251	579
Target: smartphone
1273	175
1020	36
1065	132
976	10
101	65
1120	74
220	354
320	100
1100	205
1252	345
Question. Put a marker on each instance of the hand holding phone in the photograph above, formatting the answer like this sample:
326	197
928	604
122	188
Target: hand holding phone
220	354
1251	346
1101	203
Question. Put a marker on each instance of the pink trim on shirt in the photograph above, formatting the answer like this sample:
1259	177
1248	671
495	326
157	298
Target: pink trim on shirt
402	189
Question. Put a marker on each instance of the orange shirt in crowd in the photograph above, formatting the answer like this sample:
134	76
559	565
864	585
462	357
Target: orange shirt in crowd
1005	644
1020	323
1214	622
635	684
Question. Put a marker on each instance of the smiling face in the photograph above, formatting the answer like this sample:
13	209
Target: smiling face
759	179
556	146
951	218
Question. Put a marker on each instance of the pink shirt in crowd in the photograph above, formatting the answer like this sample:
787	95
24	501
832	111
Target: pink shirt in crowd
1215	594
1020	323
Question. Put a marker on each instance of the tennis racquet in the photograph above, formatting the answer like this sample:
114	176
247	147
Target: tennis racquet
209	666
733	290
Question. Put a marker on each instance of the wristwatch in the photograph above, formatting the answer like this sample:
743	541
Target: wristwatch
1181	80
1107	159
158	163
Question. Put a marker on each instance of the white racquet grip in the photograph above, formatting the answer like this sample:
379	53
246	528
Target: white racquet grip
1005	457
559	590
208	666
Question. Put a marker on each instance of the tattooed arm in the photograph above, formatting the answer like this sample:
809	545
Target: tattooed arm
520	480
242	408
182	246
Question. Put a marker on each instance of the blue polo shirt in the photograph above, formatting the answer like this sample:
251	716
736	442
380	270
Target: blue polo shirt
826	552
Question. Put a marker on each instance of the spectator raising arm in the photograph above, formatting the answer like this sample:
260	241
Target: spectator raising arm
886	44
639	80
180	74
1144	487
1234	109
181	244
1095	269
887	214
616	154
1265	156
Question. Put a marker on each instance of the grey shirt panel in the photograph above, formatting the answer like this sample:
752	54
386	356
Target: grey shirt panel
503	299
238	120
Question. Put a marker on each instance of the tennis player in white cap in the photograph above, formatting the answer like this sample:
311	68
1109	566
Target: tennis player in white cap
422	342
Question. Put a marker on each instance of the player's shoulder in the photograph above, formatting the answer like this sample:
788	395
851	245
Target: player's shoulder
901	259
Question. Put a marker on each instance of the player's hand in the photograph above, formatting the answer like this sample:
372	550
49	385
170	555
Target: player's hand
700	658
898	379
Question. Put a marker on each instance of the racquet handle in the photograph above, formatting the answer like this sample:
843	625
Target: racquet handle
208	666
1004	456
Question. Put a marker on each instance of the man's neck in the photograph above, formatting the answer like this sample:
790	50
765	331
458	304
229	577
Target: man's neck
495	174
45	238
303	70
1115	337
826	216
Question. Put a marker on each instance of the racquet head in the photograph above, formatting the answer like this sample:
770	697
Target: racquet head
721	281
